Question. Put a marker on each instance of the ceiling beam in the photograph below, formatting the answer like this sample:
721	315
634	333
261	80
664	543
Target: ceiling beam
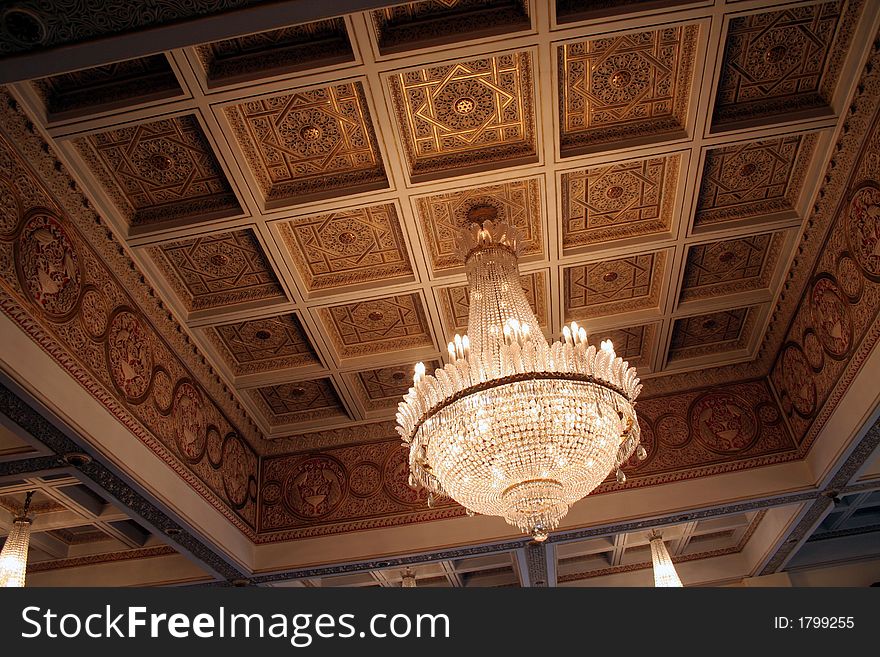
144	510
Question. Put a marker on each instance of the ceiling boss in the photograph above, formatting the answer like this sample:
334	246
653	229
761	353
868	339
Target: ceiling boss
513	426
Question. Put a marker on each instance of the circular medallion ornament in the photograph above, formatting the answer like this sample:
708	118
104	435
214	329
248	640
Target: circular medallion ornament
672	430
271	493
621	78
236	471
93	311
850	278
797	380
315	487
189	422
831	317
130	355
395	478
724	423
863	229
365	479
48	264
465	104
768	414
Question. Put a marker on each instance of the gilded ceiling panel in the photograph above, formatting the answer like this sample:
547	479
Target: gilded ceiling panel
731	266
108	87
779	62
160	172
466	116
219	270
753	179
348	247
712	333
309	144
619	200
262	345
302	401
623	87
377	326
432	22
275	52
613	286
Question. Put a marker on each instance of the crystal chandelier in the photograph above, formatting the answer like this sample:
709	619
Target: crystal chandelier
13	558
408	579
513	426
664	571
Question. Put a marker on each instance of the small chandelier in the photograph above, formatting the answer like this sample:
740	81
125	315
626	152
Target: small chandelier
664	571
513	426
408	579
13	558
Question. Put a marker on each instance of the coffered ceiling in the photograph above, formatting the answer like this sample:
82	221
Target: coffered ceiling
285	200
298	204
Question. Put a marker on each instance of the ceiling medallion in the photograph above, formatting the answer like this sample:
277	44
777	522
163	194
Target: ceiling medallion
398	376
513	426
726	257
710	324
161	162
465	105
614	192
310	133
347	237
620	78
297	392
219	260
262	334
610	277
747	170
376	316
775	54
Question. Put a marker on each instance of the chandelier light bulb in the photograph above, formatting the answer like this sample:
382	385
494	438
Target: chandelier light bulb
514	426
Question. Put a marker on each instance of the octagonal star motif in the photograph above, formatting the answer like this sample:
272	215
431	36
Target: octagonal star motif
218	270
163	172
753	179
613	286
466	116
310	144
619	200
712	333
300	401
731	266
632	86
377	326
349	247
779	62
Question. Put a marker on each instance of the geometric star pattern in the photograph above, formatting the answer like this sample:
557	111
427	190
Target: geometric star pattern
218	270
260	345
737	265
348	247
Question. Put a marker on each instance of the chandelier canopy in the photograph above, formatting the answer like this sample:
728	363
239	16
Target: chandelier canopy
513	426
13	557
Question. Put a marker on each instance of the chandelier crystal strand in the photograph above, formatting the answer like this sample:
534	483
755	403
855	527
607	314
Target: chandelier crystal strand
513	426
13	557
664	572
